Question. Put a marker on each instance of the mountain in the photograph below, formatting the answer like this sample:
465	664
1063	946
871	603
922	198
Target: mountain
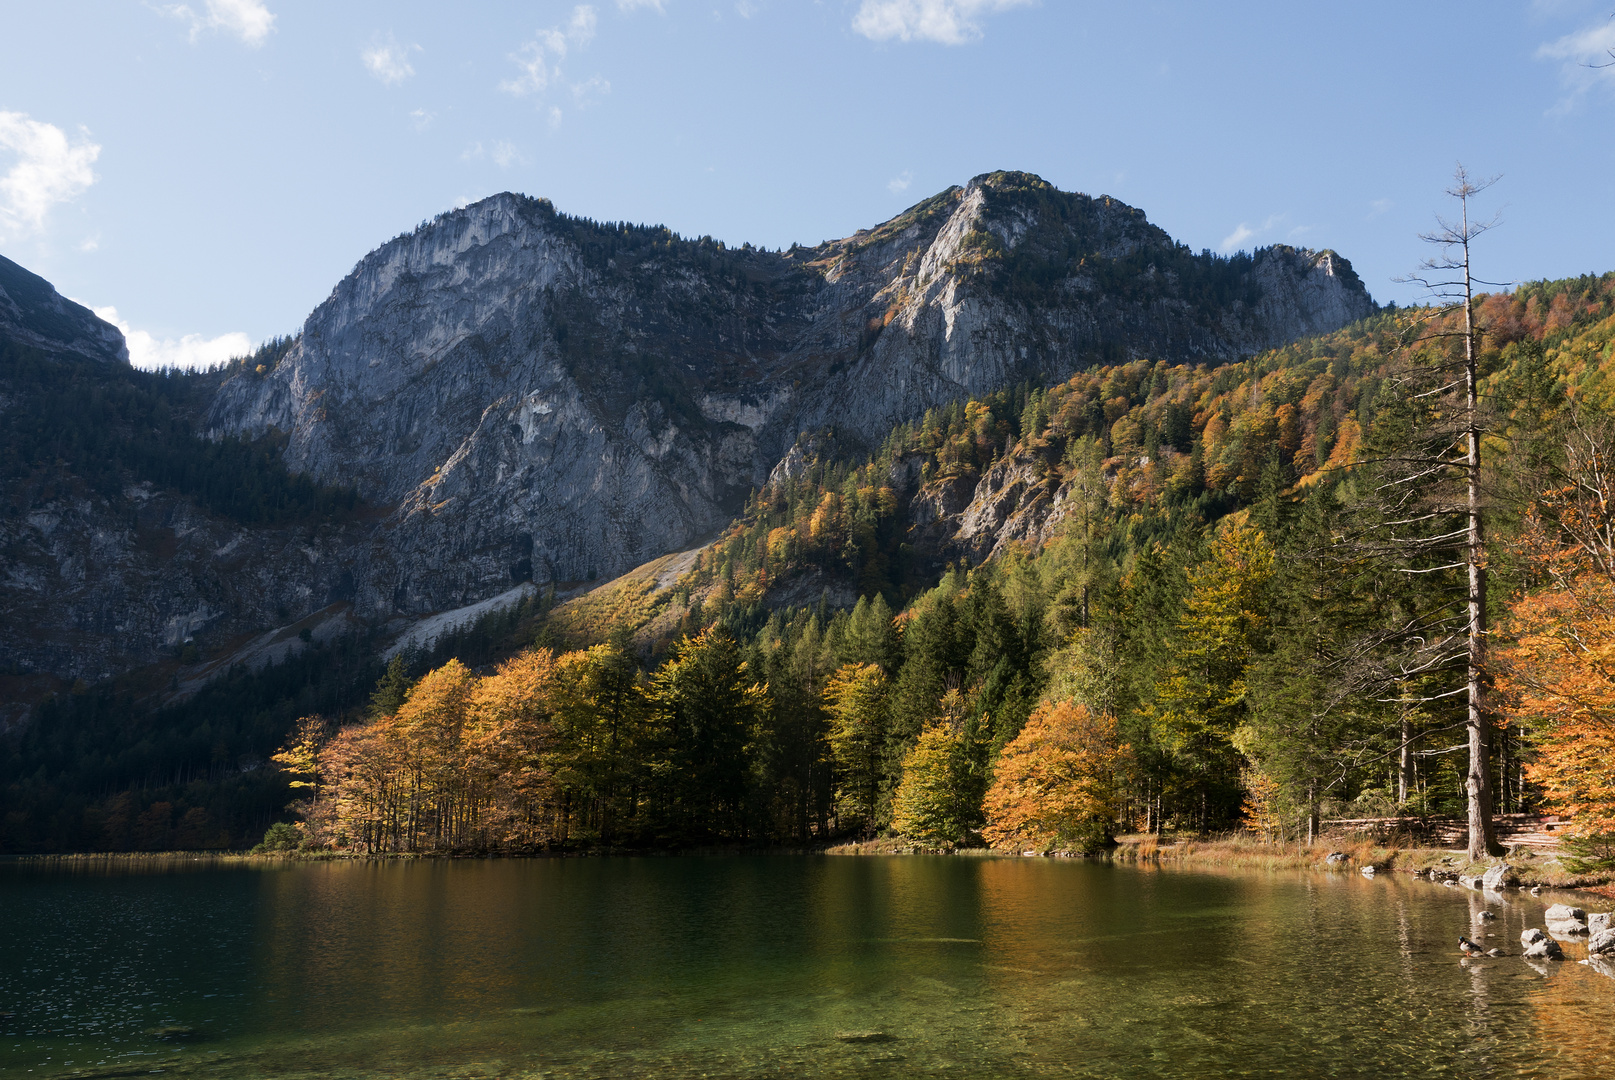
33	313
543	397
510	394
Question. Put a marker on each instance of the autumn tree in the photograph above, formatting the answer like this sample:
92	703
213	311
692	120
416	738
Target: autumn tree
1059	782
1559	665
939	793
856	700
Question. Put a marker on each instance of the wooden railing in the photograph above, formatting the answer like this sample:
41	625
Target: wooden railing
1514	830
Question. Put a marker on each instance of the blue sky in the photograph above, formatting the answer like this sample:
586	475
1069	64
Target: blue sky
211	169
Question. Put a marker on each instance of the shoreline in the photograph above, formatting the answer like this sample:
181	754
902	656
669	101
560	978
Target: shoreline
1527	869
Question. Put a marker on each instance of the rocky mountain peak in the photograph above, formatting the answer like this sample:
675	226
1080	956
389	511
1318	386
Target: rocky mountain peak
33	313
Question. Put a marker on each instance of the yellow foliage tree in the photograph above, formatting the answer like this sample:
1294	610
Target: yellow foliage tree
1059	781
856	698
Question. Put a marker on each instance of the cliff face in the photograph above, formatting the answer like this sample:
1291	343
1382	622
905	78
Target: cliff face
519	395
536	396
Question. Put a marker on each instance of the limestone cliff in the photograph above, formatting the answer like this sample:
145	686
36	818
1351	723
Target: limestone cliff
520	395
537	396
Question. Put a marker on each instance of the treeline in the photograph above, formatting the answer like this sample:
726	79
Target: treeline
81	426
794	738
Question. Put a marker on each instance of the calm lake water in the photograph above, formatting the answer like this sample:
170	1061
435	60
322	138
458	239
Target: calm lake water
782	966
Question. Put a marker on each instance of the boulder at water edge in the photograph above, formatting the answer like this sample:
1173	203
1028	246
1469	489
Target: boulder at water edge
1499	876
1601	943
1599	920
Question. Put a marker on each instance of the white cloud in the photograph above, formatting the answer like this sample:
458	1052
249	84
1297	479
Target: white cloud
248	20
540	59
505	154
949	22
389	61
48	169
1246	231
190	351
634	5
90	243
585	92
899	184
421	119
1232	241
1586	59
1378	207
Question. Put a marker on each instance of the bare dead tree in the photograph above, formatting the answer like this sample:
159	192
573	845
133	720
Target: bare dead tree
1449	278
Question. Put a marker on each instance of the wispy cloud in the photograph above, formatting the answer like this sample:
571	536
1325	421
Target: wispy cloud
1235	240
47	168
948	22
539	61
899	184
1586	59
388	61
585	92
1378	207
190	351
631	6
422	119
248	20
505	154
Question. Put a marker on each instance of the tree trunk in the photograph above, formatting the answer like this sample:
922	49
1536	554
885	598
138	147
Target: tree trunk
1404	781
1482	830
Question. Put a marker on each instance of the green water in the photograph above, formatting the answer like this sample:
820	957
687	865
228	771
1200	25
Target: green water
786	966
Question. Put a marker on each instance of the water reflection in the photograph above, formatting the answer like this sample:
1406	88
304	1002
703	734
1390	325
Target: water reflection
792	966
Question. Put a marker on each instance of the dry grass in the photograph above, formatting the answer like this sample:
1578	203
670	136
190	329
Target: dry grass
1532	867
630	601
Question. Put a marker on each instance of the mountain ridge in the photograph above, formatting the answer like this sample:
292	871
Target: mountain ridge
521	395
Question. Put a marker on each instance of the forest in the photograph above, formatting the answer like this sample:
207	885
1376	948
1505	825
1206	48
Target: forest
96	428
1253	617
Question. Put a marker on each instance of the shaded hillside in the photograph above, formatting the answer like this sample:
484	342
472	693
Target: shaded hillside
124	530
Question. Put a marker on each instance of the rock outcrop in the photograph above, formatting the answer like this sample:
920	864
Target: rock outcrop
537	396
524	396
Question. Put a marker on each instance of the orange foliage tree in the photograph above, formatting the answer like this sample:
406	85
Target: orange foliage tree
1559	672
1059	782
1559	669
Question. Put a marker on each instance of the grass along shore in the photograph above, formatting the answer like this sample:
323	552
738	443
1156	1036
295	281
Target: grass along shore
1530	867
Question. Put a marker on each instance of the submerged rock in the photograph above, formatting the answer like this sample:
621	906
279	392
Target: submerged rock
1545	950
864	1037
1564	920
1484	915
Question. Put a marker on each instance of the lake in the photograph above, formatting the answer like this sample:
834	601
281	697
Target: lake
777	966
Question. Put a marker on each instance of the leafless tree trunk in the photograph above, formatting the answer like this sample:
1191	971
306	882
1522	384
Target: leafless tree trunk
1452	277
